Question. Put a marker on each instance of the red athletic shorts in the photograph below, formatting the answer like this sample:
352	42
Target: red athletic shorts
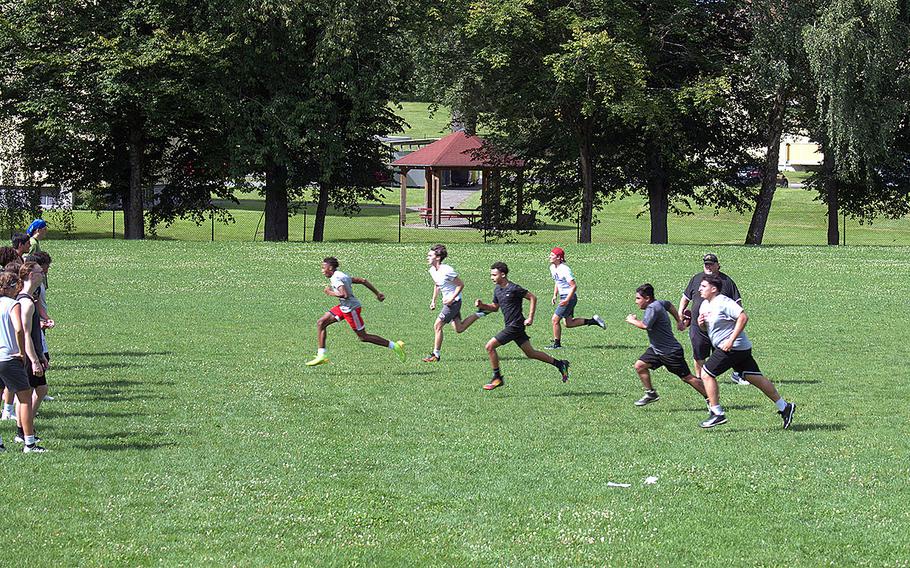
353	317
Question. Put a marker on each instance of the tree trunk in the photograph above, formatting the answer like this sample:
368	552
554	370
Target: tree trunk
276	202
769	173
586	161
133	207
658	200
322	207
832	197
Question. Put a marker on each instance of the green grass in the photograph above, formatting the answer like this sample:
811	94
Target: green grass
421	122
187	431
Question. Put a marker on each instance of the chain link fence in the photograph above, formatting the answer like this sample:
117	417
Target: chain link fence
796	219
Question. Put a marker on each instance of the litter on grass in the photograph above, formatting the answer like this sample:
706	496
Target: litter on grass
613	484
651	480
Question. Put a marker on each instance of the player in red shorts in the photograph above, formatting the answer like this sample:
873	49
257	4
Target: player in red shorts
348	308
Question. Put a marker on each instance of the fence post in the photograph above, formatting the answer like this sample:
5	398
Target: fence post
844	230
113	224
399	231
212	217
304	222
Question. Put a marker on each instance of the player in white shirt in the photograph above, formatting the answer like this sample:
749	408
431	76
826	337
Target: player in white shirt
348	309
564	293
725	320
447	283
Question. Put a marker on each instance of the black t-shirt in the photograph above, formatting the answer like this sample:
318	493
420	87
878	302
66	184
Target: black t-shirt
509	300
36	325
728	289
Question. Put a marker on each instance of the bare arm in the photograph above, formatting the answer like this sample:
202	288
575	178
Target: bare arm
635	321
486	307
683	303
433	299
16	319
570	295
555	293
674	313
533	299
459	286
28	309
364	282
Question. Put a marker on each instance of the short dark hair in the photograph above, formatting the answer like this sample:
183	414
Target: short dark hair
440	251
7	255
41	257
645	290
501	267
331	261
714	280
20	239
12	267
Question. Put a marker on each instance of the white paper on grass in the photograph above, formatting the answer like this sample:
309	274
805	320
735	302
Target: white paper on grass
613	484
651	480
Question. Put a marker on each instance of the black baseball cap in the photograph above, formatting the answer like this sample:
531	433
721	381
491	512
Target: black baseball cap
710	258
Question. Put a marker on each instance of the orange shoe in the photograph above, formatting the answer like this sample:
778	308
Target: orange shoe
494	384
431	358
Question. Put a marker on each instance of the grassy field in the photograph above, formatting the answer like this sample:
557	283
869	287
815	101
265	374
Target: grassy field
421	122
796	219
187	430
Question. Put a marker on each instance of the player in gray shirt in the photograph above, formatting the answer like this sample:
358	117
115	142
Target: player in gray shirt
663	349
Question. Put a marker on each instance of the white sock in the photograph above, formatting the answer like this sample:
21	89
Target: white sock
320	351
718	409
436	352
30	440
480	314
781	404
391	344
8	408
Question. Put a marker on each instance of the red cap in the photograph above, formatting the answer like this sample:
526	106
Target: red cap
558	252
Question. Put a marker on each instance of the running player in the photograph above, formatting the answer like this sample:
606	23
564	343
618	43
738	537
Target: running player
348	309
663	349
725	321
447	283
565	293
509	297
689	304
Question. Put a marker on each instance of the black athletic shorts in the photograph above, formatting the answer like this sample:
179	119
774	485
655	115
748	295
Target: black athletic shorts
701	343
741	361
13	375
516	334
675	362
34	380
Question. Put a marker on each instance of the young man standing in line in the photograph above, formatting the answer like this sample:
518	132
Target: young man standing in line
31	276
348	309
509	296
447	283
701	344
663	349
725	321
565	293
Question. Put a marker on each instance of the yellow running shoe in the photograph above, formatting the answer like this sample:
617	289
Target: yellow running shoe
399	350
319	360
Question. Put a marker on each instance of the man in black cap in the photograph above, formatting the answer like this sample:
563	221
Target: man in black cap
689	305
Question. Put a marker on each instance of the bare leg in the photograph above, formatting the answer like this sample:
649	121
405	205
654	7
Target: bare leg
764	385
699	364
532	353
362	335
321	325
461	325
557	329
24	412
711	390
37	397
437	330
8	396
644	374
574	322
696	384
491	352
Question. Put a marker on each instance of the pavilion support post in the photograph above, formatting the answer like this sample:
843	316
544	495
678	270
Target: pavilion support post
437	197
495	197
428	189
403	202
485	197
520	219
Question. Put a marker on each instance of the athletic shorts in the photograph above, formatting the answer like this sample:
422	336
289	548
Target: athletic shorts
675	362
701	343
353	317
34	380
12	373
741	361
450	312
516	334
568	310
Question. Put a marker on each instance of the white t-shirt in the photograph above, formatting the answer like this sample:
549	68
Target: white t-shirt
444	278
9	348
563	277
341	280
721	314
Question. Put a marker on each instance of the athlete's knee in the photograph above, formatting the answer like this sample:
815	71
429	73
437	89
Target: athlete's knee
438	325
555	319
641	366
362	335
490	346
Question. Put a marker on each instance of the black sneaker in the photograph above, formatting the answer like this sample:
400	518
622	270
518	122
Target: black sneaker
2	448
787	414
737	378
563	367
554	345
650	396
714	420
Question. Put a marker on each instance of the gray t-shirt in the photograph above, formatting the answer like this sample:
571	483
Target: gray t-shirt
660	331
721	314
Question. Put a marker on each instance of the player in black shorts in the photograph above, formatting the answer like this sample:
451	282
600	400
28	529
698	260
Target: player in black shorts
508	297
689	305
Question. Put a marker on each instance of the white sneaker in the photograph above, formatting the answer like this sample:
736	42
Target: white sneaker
738	379
48	397
8	416
33	448
599	321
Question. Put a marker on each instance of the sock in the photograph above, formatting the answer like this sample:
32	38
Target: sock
480	314
717	409
590	321
320	351
651	391
8	408
556	362
30	440
20	431
781	404
436	352
496	373
391	344
556	342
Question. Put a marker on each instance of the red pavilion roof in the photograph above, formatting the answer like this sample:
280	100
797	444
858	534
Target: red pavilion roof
457	150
